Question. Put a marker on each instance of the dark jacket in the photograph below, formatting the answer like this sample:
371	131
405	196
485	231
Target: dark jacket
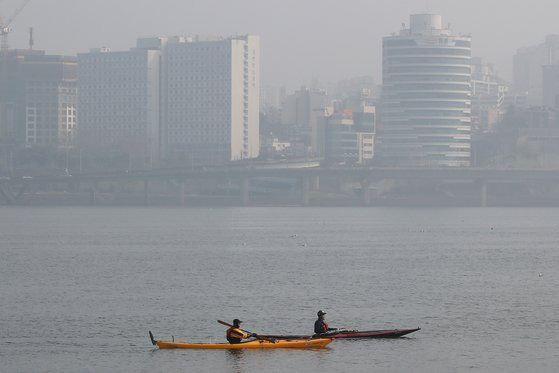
320	327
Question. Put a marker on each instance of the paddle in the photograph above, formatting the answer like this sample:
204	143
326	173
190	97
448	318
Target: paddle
153	341
343	330
246	331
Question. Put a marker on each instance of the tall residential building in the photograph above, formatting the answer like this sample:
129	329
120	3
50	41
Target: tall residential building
426	115
37	98
527	68
211	90
119	101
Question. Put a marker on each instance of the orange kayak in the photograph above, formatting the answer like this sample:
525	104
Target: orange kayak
296	343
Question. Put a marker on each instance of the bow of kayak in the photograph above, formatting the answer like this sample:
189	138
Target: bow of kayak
396	333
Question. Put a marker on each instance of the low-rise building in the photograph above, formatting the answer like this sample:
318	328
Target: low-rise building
348	137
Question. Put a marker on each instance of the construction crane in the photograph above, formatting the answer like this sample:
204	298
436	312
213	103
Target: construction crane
5	26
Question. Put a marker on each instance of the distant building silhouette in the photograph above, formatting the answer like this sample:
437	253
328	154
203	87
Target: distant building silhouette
303	110
551	86
527	68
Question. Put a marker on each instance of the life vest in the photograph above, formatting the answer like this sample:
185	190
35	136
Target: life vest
234	332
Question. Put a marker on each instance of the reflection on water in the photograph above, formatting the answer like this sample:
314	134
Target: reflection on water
235	360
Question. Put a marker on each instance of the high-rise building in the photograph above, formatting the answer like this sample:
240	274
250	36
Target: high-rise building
37	98
211	90
527	68
426	98
180	100
119	102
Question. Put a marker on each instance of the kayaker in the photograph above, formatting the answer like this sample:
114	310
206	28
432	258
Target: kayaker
320	326
235	334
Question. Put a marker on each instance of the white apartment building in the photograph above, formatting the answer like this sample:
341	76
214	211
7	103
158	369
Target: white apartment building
211	90
118	102
426	99
181	100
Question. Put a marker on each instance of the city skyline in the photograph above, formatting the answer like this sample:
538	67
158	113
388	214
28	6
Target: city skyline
307	31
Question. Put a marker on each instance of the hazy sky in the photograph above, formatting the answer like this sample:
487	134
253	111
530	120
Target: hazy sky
328	39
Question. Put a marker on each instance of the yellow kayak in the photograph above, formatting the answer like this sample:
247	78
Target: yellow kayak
280	343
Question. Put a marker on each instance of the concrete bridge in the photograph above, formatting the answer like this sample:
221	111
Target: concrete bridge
308	175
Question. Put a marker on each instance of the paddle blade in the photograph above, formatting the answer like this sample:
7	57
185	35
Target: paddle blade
153	342
224	323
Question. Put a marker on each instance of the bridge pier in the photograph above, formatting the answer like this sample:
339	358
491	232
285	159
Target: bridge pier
366	192
146	191
182	189
245	193
483	194
315	183
5	193
305	190
92	196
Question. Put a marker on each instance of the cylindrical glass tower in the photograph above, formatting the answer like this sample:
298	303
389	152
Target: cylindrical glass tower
426	115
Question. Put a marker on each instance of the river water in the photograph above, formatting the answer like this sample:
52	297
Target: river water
80	287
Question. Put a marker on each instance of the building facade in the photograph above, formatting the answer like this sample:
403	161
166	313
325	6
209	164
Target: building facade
426	99
119	103
211	90
348	137
488	96
38	94
550	87
181	100
303	111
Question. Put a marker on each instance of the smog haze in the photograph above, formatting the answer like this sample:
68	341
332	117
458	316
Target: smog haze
328	40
